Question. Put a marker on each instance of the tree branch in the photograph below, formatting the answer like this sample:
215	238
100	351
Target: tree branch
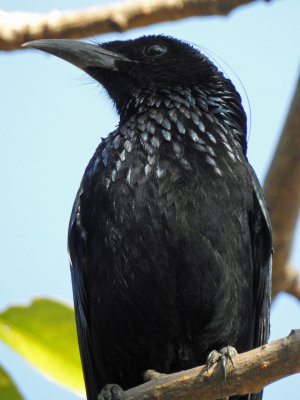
292	278
251	372
19	27
282	190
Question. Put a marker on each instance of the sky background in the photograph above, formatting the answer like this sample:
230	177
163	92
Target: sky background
52	117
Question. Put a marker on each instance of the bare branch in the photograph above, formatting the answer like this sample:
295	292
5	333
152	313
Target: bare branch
251	372
282	190
19	27
292	277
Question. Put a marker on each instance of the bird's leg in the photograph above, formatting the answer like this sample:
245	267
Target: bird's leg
111	392
225	355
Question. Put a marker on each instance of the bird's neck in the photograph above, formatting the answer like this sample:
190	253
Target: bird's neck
218	104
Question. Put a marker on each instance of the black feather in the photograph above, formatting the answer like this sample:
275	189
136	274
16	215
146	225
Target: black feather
170	239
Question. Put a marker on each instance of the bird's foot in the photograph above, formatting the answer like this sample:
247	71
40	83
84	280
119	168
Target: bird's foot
225	355
111	392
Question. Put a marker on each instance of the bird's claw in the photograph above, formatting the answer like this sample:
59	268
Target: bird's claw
212	358
225	355
111	392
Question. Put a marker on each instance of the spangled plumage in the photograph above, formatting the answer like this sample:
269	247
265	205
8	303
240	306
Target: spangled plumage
169	239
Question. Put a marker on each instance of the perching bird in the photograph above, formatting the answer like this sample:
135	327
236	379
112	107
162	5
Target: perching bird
169	237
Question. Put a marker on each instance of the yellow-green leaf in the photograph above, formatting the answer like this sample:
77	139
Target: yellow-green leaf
44	334
8	390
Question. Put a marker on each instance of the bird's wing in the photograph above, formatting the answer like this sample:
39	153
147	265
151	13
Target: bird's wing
262	256
77	238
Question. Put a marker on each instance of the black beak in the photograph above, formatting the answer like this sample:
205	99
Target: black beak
82	55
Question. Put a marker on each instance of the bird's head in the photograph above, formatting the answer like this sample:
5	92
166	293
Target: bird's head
128	68
153	63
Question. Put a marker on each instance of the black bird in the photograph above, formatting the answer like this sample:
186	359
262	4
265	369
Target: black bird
169	237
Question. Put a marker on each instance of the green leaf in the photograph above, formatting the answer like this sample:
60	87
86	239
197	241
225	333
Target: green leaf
8	390
44	333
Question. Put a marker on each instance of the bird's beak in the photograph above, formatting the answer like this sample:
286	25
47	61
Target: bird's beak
82	55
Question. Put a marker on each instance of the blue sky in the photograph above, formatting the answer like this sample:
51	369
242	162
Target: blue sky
52	119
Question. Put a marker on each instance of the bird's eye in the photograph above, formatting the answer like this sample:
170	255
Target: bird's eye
155	50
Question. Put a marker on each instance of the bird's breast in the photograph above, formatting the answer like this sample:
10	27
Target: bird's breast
165	135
